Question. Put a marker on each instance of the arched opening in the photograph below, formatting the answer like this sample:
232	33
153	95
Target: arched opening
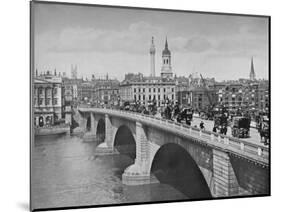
100	131
124	142
174	166
88	124
48	120
41	121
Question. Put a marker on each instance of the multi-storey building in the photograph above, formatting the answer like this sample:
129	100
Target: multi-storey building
198	98
106	92
86	89
147	91
247	97
47	99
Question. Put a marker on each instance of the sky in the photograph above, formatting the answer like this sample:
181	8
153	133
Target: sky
101	40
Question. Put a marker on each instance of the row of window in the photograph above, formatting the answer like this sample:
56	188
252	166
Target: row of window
152	97
150	89
42	90
47	101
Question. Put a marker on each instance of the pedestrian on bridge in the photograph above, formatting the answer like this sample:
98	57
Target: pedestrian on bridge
202	125
214	129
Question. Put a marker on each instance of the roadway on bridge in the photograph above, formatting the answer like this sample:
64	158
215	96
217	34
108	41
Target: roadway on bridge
254	134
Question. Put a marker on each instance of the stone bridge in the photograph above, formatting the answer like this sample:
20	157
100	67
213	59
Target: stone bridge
202	164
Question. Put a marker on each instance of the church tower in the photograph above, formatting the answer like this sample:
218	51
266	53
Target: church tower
152	58
252	72
166	70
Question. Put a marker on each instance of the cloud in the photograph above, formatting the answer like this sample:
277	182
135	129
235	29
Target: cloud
77	39
197	45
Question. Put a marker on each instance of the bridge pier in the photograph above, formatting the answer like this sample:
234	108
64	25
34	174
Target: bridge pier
91	135
139	173
107	146
82	122
225	181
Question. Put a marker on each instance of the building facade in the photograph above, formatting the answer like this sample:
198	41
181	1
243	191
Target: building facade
250	97
106	93
47	99
148	91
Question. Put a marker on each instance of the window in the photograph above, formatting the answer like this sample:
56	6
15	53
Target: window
55	90
40	91
172	89
40	101
159	90
139	97
143	97
149	90
135	90
48	101
149	97
55	101
158	97
172	96
143	89
164	89
135	97
154	90
139	90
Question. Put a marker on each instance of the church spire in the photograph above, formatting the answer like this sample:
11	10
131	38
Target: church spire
252	72
166	43
166	70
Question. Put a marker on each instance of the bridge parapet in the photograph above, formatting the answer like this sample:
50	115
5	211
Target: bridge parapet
250	150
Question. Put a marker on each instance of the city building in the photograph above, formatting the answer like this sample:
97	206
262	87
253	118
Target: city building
151	89
85	90
250	97
47	99
199	98
106	92
73	71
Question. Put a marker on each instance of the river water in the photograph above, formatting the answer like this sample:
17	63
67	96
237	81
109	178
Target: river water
66	172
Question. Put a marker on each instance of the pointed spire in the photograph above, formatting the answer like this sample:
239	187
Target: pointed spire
252	72
36	72
166	50
55	72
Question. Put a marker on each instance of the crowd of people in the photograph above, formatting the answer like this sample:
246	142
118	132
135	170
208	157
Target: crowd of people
178	113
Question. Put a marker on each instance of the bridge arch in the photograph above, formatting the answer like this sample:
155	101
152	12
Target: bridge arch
124	141
100	130
88	123
173	165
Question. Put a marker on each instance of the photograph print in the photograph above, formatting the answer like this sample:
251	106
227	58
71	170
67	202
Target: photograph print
139	105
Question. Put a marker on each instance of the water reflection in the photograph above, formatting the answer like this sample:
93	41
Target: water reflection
66	172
